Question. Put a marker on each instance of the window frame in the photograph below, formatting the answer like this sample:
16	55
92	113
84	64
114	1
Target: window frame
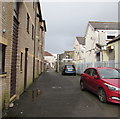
110	36
3	50
86	71
95	72
28	22
32	32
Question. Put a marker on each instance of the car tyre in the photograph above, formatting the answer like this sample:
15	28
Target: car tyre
82	86
102	95
74	74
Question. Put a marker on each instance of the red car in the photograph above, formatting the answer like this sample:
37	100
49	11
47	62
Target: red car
103	81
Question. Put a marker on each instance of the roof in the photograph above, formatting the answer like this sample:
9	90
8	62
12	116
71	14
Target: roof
40	15
105	25
47	54
81	40
114	39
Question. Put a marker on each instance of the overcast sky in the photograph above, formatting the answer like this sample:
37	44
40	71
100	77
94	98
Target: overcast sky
66	20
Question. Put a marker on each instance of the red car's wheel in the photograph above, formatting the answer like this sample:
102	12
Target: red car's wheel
102	95
82	86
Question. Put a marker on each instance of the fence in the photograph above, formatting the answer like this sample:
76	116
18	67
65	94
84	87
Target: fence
80	67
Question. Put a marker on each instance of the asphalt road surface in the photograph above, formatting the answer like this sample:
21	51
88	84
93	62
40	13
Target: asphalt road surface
54	95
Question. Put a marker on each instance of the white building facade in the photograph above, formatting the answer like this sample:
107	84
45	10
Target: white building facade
79	50
98	34
51	59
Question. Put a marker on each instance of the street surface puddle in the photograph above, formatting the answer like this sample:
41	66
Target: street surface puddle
34	94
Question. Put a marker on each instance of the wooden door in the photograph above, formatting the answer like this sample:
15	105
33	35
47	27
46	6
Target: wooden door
14	57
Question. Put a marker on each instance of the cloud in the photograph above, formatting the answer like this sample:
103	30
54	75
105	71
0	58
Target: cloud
79	0
66	20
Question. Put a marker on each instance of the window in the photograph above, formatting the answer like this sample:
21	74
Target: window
69	66
88	71
98	56
94	72
32	31
28	20
21	58
110	37
91	72
109	73
2	58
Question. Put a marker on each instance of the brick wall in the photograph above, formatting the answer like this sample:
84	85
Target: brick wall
24	41
7	19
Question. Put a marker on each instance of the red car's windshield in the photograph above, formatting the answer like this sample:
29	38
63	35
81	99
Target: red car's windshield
109	73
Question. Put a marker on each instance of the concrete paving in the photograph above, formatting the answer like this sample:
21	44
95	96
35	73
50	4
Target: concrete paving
54	95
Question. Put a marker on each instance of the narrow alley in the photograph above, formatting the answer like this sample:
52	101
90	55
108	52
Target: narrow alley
54	95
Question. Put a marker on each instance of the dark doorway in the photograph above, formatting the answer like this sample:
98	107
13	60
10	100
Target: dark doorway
38	67
41	67
98	56
111	54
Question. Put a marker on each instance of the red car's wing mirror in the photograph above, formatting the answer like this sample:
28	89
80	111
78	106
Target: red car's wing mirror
96	77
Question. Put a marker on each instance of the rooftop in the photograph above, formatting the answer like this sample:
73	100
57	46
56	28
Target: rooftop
47	54
105	25
81	40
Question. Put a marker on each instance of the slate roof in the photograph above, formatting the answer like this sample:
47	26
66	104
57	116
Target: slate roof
105	25
47	54
81	40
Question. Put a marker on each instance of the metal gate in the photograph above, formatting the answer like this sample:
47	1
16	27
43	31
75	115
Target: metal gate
14	57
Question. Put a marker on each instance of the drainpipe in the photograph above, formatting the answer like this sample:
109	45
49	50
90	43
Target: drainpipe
58	63
34	42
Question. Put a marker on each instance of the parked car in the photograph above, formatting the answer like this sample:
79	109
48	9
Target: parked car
103	81
69	70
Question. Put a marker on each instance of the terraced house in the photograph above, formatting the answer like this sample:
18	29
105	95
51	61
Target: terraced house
97	35
112	50
22	38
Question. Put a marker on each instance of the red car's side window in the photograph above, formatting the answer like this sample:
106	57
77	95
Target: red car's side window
94	72
88	71
91	72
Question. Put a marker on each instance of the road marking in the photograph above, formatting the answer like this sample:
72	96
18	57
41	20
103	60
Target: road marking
59	87
53	87
56	87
